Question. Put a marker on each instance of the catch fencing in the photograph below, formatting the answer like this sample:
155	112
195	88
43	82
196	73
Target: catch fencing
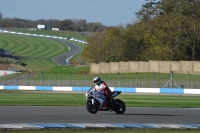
139	80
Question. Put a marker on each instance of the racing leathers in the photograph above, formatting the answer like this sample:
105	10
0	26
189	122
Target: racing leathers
103	88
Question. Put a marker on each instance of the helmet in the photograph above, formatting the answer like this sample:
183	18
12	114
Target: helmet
97	80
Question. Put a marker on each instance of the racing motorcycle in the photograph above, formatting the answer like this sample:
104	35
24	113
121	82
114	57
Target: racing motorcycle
96	101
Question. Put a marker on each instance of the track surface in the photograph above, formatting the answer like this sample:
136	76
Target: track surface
63	58
68	114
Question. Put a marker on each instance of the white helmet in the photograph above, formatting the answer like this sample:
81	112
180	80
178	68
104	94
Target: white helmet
97	80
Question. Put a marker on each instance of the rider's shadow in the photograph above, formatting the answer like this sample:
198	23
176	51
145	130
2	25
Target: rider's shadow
151	114
136	114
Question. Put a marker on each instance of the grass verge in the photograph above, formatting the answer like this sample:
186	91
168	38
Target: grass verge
49	98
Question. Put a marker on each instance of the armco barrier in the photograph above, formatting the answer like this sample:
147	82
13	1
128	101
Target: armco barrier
122	89
28	34
38	35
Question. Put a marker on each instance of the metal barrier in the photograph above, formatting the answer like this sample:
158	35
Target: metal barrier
143	80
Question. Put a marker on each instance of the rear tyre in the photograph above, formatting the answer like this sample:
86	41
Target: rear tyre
92	108
119	106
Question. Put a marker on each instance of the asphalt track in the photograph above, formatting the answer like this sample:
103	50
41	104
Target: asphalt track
63	58
73	114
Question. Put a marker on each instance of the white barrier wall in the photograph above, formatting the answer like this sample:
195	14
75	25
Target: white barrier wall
124	67
122	89
143	66
165	66
193	67
175	66
95	68
134	66
186	66
196	67
154	66
114	67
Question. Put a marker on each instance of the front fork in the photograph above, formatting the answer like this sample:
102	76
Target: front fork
93	102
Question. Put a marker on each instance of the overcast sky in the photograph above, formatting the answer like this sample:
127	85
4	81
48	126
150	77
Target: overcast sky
108	12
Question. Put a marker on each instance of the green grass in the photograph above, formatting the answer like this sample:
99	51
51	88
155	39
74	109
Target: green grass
39	98
68	70
36	52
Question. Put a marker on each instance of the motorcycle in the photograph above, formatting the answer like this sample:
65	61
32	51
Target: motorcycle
96	101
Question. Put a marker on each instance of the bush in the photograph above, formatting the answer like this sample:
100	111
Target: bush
7	60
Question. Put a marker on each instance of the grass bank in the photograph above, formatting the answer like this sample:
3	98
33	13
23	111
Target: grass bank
36	52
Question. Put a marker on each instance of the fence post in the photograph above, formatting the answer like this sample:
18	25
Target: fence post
136	79
42	77
118	79
56	78
17	78
153	79
101	75
70	78
29	73
85	78
188	79
6	79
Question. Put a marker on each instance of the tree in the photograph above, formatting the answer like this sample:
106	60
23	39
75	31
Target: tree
104	46
1	17
149	10
166	28
66	24
112	44
80	25
169	23
6	22
133	44
191	26
94	51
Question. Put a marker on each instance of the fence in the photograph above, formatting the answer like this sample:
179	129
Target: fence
141	80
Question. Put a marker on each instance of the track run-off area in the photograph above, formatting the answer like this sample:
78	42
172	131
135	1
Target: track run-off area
33	117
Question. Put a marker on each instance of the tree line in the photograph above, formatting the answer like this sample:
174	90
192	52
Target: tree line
165	30
65	25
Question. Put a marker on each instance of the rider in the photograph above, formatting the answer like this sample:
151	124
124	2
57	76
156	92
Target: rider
102	87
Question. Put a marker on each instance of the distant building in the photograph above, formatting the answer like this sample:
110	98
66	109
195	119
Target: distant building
41	27
57	29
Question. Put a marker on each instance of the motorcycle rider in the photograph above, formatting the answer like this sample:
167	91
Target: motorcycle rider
102	87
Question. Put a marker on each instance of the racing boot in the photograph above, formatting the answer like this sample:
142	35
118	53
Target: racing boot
110	104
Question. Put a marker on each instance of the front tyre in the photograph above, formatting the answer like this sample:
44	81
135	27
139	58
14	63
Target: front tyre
92	108
119	106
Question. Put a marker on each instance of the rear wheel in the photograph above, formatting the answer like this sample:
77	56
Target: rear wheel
92	108
119	106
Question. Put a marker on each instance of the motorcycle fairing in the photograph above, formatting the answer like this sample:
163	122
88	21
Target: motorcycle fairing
100	97
115	93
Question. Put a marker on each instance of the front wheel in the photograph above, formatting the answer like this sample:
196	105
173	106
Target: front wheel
92	108
119	106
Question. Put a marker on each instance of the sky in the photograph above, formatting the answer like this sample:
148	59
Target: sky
107	12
